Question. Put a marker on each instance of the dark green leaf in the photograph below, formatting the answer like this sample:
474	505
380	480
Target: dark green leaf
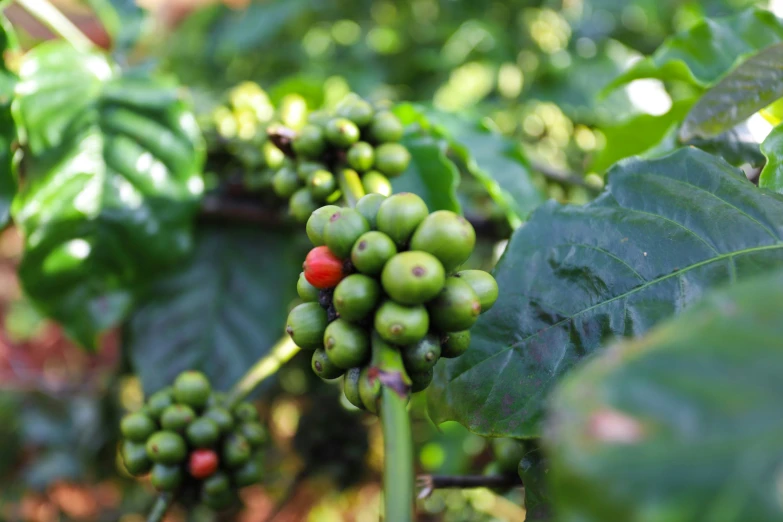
753	85
7	125
708	50
772	175
112	181
221	312
736	145
663	232
533	470
681	425
431	174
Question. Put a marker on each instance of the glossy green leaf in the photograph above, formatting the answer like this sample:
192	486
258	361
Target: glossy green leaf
750	87
7	126
772	175
681	425
430	174
736	145
219	313
112	182
708	50
663	232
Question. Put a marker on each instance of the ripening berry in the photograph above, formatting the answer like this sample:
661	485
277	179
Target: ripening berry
202	463
322	268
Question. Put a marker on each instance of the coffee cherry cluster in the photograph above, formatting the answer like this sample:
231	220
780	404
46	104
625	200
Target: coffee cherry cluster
190	443
356	140
387	268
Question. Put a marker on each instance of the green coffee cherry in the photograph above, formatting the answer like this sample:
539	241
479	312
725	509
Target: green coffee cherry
400	215
369	392
413	277
456	308
399	324
219	501
361	156
455	344
323	367
246	412
343	229
422	356
203	432
302	204
374	182
236	451
371	252
134	455
341	132
293	110
321	184
317	222
356	296
447	236
216	484
274	158
347	345
420	381
177	417
166	447
137	427
385	127
248	474
306	291
508	452
192	388
392	159
222	417
368	207
306	325
357	110
319	118
483	284
159	401
216	399
254	432
351	387
306	168
309	142
165	477
285	182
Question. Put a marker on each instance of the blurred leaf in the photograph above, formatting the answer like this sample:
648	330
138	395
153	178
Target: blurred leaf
112	181
772	175
683	424
431	174
753	85
221	312
646	131
533	469
53	466
708	50
736	145
663	232
7	125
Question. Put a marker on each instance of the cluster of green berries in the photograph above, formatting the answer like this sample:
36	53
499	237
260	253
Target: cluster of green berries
357	140
387	268
188	442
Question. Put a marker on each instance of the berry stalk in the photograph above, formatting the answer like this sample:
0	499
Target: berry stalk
351	186
162	504
398	479
268	365
51	17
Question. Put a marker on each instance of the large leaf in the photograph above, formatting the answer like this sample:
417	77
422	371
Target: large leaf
430	174
708	50
681	425
221	312
7	125
663	232
772	175
112	178
494	160
753	85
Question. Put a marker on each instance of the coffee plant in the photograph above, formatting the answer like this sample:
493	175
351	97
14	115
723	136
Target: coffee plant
304	248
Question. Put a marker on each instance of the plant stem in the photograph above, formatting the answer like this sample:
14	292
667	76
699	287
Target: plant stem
350	186
160	507
51	17
398	483
268	365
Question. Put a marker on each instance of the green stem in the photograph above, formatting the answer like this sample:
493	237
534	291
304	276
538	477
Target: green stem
398	479
162	505
51	17
351	186
268	365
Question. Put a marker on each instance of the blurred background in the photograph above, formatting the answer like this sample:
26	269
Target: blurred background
531	69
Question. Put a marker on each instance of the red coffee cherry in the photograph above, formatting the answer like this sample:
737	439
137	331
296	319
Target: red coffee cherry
322	268
203	463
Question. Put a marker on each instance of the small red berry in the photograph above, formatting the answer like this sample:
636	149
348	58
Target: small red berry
322	268
203	463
